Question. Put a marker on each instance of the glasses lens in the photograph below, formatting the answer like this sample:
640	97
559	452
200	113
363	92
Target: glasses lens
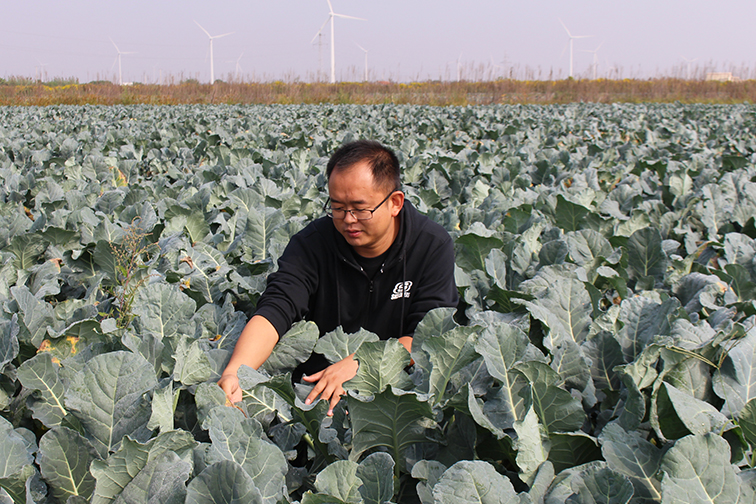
362	214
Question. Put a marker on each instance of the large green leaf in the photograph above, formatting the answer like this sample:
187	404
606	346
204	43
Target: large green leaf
40	374
108	398
8	340
646	257
260	225
629	454
243	441
532	445
570	216
377	475
162	480
697	416
27	248
13	450
448	354
643	320
472	249
382	365
224	482
393	419
192	363
337	345
735	380
294	347
36	316
697	469
119	472
338	483
590	483
64	459
163	310
565	307
557	409
474	482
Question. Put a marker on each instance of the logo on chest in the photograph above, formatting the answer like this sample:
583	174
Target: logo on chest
401	289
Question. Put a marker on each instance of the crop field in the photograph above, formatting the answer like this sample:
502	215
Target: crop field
604	349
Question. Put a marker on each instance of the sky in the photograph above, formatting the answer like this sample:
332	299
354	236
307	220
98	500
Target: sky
406	40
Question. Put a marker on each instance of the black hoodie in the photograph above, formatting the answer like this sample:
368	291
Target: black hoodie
320	279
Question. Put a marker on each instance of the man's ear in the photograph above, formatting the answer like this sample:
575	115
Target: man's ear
397	202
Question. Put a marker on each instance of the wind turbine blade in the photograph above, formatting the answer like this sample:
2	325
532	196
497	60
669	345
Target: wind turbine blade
565	29
225	34
321	30
114	63
349	17
599	46
206	32
114	45
358	45
330	7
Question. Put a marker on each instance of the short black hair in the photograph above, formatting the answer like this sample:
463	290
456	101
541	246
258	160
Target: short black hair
381	160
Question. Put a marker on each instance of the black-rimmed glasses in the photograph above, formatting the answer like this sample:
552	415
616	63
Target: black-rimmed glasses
340	213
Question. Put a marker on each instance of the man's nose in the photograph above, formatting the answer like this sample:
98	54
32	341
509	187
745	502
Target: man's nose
349	215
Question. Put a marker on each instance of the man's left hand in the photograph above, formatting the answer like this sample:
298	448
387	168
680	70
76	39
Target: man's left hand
330	381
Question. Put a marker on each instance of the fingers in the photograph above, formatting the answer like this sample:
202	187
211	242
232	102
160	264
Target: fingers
230	385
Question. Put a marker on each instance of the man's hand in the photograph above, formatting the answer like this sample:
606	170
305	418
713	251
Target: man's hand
230	385
330	381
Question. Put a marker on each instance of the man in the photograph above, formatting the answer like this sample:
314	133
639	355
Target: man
373	262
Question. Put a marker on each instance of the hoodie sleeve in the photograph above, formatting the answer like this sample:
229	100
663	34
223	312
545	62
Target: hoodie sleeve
436	287
286	297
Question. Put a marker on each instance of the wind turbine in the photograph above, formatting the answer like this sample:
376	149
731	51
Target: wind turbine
212	68
331	16
238	66
595	59
689	61
118	59
572	37
366	65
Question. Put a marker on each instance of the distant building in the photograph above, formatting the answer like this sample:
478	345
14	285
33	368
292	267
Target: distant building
721	77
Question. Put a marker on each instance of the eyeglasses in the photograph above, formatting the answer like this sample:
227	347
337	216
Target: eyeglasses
340	213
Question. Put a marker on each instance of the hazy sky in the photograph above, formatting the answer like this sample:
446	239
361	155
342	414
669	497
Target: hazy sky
406	39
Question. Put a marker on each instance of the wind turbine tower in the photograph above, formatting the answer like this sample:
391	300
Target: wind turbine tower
572	38
331	16
689	61
366	64
595	59
211	37
118	59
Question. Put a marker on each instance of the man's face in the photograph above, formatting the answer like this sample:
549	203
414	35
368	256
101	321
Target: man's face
353	188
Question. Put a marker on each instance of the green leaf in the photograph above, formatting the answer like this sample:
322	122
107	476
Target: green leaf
243	441
338	345
630	454
590	483
192	364
496	267
377	475
428	472
108	398
392	419
557	410
474	482
224	482
162	480
502	346
13	450
163	310
735	380
27	248
644	320
699	417
568	215
293	348
572	448
646	257
448	354
339	483
436	322
163	408
532	445
472	250
604	353
36	316
747	422
8	340
697	469
565	307
40	374
64	459
382	365
259	228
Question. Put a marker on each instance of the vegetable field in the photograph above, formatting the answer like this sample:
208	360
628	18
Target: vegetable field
604	351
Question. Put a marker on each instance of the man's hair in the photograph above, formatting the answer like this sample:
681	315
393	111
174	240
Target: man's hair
381	160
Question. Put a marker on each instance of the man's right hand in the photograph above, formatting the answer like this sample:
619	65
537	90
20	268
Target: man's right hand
230	385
